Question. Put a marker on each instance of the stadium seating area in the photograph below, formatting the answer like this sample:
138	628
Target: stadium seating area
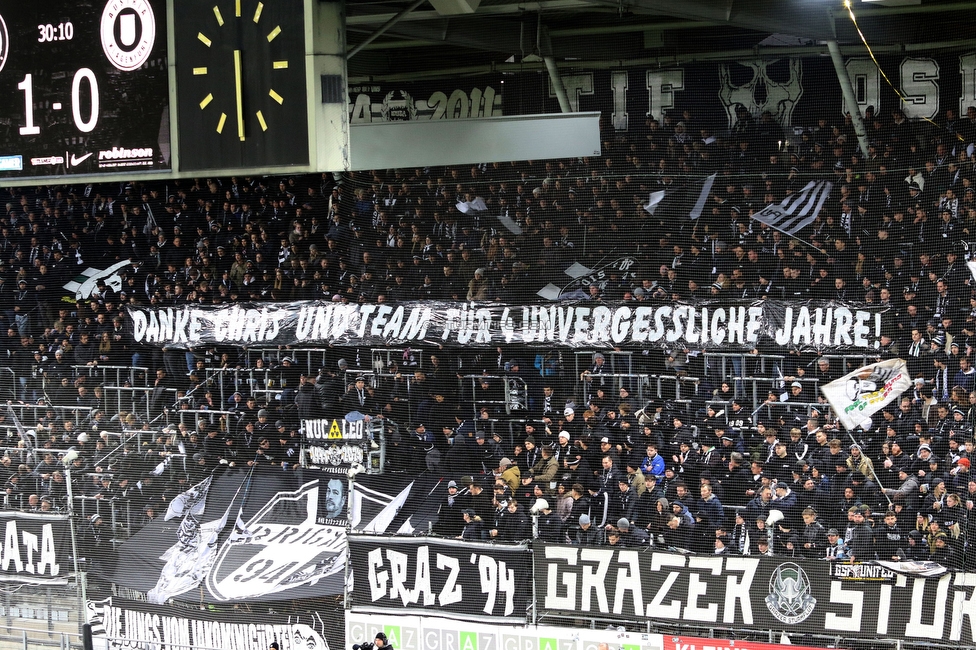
682	447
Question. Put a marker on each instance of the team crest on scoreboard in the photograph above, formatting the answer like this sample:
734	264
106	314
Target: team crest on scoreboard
128	33
790	597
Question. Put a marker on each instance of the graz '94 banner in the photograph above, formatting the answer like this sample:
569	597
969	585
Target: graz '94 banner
763	593
450	578
729	325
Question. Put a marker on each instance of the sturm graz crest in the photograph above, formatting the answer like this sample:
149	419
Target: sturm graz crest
790	597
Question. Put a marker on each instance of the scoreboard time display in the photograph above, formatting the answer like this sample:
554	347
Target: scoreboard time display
84	87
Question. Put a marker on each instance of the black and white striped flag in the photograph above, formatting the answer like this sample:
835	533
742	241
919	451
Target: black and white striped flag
796	211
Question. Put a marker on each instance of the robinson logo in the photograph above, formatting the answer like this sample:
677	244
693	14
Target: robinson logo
128	32
790	597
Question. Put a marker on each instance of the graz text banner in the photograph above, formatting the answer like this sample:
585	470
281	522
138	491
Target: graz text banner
782	594
729	325
448	578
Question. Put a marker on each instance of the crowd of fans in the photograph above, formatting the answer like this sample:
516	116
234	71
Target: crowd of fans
599	459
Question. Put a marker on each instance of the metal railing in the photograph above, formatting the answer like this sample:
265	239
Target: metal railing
14	637
513	398
104	373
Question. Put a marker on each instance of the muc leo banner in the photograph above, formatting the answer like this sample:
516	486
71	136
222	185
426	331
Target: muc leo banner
448	578
788	595
726	325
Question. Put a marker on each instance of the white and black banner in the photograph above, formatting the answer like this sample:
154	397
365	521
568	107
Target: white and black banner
727	325
436	100
859	394
445	577
276	550
334	445
36	548
787	595
117	623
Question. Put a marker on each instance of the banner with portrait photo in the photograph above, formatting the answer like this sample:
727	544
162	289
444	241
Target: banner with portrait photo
255	539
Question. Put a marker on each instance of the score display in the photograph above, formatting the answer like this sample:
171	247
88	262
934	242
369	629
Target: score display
83	87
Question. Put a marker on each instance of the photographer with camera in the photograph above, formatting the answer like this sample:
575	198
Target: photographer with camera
380	641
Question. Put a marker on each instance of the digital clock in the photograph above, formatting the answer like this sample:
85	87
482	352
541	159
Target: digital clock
64	31
83	87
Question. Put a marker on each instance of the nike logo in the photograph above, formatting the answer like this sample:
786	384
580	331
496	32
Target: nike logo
77	160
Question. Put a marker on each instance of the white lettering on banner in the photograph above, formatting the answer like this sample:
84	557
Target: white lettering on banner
578	325
337	455
920	87
577	85
389	578
628	579
661	86
19	545
119	628
618	84
967	69
866	82
400	106
589	580
326	429
915	627
919	80
852	598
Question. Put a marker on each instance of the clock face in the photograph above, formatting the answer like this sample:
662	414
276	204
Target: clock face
241	83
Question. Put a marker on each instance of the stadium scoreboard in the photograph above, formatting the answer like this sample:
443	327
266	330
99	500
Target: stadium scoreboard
113	89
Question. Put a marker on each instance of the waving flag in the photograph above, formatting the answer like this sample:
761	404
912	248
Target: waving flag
686	201
797	211
861	393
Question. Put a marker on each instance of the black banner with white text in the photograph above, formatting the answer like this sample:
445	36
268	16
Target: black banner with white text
448	578
762	593
729	325
118	623
36	548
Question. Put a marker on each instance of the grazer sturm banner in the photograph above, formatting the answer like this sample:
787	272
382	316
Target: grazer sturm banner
451	578
726	325
36	548
433	633
118	623
780	594
859	394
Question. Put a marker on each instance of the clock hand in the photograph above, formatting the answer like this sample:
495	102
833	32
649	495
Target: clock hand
237	88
